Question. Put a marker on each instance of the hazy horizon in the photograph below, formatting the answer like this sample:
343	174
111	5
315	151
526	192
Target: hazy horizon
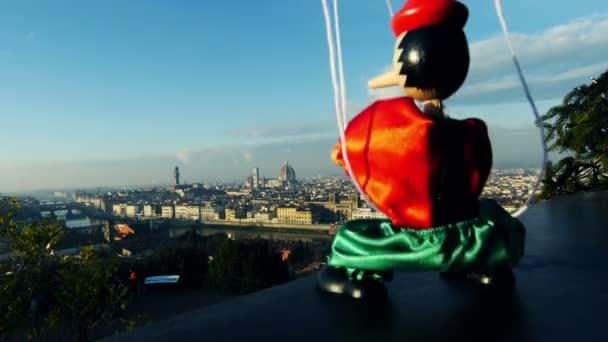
511	148
169	183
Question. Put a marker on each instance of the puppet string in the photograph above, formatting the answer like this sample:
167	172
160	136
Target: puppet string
340	64
522	79
390	8
339	93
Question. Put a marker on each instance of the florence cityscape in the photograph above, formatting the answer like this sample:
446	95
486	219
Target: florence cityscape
285	206
259	199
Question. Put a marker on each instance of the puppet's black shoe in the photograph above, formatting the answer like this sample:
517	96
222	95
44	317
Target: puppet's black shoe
499	280
367	289
332	280
336	280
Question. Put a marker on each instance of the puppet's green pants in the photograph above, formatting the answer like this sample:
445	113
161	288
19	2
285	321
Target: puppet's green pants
371	248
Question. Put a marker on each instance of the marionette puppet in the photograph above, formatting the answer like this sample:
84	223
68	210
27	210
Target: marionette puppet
423	170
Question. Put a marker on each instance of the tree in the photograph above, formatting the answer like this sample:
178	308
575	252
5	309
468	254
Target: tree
578	127
225	271
301	255
246	266
89	291
185	255
42	292
26	281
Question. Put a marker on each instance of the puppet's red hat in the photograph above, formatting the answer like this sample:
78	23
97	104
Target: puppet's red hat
420	13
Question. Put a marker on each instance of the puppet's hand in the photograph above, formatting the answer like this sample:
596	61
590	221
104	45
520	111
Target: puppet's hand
336	155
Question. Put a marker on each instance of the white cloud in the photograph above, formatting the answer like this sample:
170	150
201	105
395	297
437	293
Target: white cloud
547	80
580	41
554	61
248	156
184	155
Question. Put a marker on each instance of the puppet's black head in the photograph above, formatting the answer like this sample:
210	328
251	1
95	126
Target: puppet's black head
433	61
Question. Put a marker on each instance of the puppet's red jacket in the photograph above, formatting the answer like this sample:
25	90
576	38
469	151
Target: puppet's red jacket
420	171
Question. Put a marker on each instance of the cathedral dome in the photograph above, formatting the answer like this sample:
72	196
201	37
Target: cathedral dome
287	173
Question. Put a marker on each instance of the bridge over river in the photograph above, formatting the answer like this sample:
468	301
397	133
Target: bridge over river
70	210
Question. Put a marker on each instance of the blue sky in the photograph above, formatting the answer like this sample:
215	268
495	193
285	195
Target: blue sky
114	92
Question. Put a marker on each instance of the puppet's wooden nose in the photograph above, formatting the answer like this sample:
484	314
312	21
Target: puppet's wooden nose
388	79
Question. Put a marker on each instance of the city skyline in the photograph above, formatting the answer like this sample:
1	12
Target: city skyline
88	104
309	201
239	182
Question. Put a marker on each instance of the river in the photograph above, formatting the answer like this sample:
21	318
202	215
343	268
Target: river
263	233
175	231
61	215
81	223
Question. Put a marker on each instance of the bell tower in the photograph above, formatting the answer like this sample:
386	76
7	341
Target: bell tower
176	175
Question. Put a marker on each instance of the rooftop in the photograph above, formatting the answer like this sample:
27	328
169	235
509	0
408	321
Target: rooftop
562	295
